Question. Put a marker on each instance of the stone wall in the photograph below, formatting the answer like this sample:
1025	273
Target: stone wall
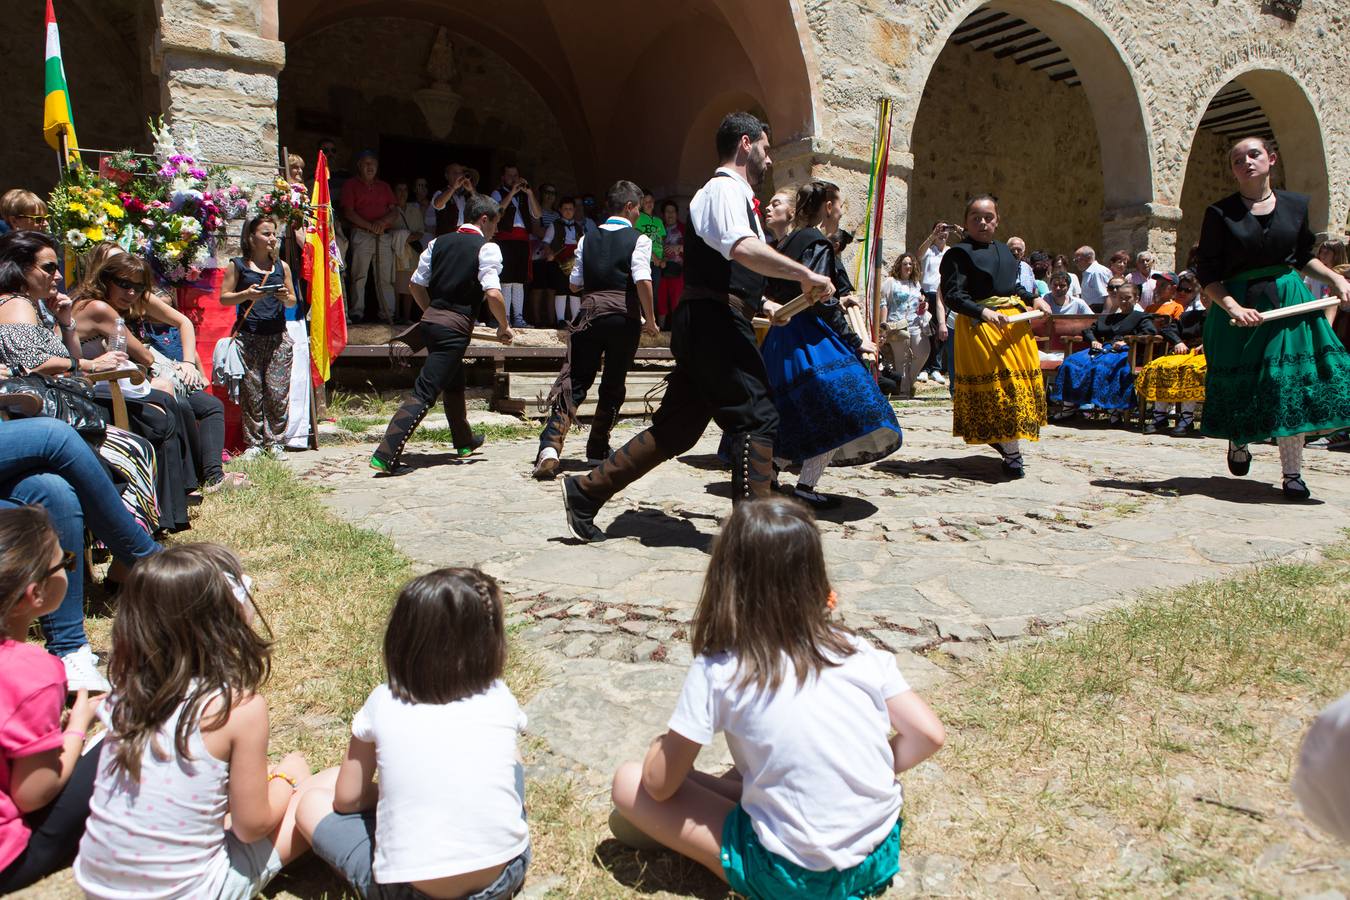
103	47
364	72
989	125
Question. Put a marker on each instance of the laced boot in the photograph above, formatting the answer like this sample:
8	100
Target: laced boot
583	496
752	471
387	456
551	444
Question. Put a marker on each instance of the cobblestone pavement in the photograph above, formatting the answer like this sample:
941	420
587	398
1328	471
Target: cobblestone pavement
930	550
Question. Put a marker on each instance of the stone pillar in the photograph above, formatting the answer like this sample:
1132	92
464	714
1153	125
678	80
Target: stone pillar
218	75
1147	226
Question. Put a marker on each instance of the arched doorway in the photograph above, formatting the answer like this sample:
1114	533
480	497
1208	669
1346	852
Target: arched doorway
619	87
1031	100
1261	103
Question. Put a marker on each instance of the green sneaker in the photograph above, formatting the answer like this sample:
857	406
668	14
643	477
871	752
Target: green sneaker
474	443
380	465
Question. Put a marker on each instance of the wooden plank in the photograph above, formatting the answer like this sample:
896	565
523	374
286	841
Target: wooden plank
528	389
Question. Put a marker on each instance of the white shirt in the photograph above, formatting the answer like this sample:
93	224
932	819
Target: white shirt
718	212
641	264
1320	782
1146	287
489	263
456	201
452	787
1074	306
819	773
1095	279
1026	278
931	263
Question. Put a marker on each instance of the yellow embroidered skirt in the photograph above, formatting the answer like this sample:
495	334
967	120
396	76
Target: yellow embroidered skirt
1179	378
997	394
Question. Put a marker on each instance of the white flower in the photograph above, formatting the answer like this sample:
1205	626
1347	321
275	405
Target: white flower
75	238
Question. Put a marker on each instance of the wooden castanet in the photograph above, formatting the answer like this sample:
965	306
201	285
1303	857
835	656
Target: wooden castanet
488	334
1027	316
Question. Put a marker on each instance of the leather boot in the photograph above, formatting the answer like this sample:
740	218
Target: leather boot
401	426
457	414
551	444
602	423
752	471
583	497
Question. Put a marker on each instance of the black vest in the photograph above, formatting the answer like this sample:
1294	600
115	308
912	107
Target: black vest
454	273
707	270
795	247
560	233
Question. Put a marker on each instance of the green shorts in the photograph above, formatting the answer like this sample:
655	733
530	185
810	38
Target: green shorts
757	872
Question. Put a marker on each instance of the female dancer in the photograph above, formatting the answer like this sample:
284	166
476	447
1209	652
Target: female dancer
829	406
1281	379
998	395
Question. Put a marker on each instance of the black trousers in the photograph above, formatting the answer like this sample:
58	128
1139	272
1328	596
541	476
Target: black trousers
56	828
719	376
157	418
613	340
442	374
209	438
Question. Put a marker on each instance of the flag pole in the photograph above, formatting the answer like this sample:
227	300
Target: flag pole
62	154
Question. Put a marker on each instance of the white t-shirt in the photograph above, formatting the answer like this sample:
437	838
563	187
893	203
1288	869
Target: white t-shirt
1073	306
452	787
932	259
1146	287
819	774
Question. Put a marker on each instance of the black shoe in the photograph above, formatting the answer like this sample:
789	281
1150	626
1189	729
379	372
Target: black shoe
474	443
1155	424
1012	463
1184	425
1239	459
814	498
581	512
1294	488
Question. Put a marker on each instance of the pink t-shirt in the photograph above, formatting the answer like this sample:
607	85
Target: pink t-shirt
32	695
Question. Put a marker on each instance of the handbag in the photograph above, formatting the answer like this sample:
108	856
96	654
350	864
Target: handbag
227	358
69	399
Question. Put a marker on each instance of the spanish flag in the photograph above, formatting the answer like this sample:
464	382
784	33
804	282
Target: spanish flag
323	271
56	114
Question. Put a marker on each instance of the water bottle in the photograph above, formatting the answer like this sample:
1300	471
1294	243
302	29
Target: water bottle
118	342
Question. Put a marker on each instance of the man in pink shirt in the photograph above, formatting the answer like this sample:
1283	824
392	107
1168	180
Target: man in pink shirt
368	204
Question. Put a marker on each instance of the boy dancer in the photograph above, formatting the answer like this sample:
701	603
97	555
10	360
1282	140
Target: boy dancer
719	374
560	240
454	277
613	270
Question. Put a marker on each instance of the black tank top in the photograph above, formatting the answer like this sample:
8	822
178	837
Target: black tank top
267	315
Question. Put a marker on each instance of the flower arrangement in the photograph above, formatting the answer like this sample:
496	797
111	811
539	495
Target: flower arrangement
85	209
286	202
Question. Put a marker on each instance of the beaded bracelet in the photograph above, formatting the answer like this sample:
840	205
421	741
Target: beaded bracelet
283	776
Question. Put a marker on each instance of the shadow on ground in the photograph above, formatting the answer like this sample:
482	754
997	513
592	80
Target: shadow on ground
655	528
654	871
1232	490
986	468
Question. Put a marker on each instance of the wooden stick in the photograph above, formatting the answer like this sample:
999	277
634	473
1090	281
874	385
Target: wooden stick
792	307
1299	309
761	322
1027	316
487	334
859	324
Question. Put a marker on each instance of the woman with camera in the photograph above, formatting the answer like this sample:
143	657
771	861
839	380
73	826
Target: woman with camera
259	286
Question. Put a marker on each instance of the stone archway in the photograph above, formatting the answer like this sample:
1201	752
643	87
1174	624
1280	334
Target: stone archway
1011	87
1263	102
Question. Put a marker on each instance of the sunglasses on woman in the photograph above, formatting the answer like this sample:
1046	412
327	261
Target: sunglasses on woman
51	268
134	286
67	562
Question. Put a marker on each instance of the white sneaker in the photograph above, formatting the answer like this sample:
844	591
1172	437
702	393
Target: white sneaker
923	378
82	672
939	378
276	451
252	453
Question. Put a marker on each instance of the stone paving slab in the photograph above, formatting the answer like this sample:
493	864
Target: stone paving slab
929	549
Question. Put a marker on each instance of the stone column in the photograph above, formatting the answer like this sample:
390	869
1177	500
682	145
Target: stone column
1147	226
218	75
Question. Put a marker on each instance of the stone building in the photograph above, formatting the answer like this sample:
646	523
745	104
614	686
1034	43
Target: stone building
1097	121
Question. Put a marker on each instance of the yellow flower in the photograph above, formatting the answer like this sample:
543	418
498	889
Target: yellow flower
94	233
78	208
97	192
113	210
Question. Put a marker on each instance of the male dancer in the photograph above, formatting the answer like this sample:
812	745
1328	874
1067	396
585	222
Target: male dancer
613	270
719	374
454	277
520	222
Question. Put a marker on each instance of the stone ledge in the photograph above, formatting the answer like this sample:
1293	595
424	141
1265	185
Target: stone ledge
180	36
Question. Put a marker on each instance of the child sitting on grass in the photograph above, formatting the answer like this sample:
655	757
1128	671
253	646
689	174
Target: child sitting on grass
812	808
44	781
187	742
446	816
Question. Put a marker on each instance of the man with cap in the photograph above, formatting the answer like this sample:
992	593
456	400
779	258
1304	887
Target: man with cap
369	205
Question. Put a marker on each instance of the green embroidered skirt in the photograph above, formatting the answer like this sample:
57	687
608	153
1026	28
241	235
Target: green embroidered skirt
1287	377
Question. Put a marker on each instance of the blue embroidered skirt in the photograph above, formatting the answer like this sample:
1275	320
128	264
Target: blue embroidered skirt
1096	378
826	398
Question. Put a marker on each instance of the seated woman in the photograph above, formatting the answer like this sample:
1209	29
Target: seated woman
1099	377
30	279
1179	378
119	287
